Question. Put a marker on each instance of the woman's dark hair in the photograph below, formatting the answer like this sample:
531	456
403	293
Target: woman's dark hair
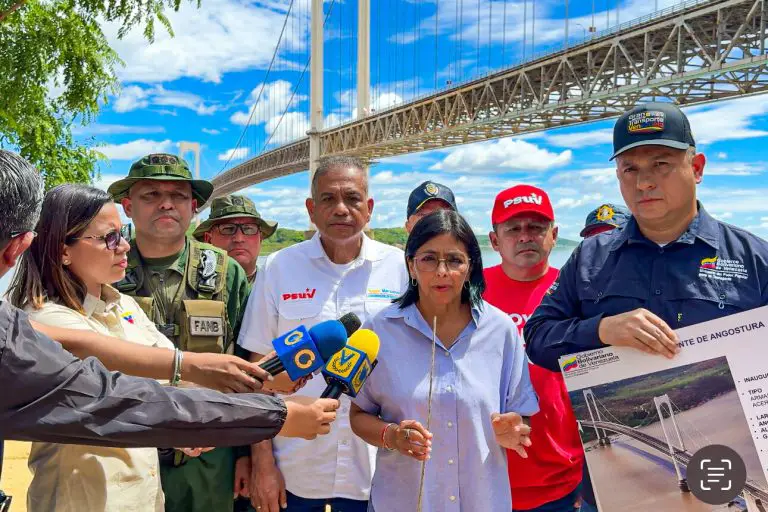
438	223
67	211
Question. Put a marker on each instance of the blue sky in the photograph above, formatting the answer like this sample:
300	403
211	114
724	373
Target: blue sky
200	86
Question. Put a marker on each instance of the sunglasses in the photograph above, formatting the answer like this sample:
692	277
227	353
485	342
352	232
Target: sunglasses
230	229
111	239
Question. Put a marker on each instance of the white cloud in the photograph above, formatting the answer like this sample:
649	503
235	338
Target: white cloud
117	129
581	139
106	179
135	149
211	131
222	36
722	155
502	156
134	97
570	202
731	120
733	169
233	154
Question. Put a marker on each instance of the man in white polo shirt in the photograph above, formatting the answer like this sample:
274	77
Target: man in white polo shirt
340	270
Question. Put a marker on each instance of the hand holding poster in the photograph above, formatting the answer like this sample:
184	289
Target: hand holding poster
644	418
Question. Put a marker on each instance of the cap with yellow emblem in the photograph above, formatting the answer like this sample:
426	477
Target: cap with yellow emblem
428	191
606	215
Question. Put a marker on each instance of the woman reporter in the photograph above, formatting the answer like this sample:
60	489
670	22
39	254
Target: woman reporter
482	394
64	281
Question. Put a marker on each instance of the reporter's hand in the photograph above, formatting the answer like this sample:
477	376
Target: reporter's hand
639	329
411	439
281	383
308	417
243	477
194	452
511	432
223	372
267	487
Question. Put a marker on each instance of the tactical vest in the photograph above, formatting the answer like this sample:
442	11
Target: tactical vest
200	322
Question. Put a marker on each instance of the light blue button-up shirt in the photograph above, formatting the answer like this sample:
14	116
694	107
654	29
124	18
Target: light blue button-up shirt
484	371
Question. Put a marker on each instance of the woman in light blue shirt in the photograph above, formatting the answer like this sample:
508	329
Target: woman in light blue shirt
481	394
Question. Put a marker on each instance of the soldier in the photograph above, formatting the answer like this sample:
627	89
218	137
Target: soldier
236	226
194	293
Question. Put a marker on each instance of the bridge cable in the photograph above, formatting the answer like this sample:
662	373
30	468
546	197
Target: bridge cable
477	58
490	32
263	83
437	38
301	77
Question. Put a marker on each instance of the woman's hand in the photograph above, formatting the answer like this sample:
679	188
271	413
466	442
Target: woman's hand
511	432
411	439
223	372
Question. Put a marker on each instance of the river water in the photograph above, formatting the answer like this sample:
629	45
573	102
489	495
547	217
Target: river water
629	476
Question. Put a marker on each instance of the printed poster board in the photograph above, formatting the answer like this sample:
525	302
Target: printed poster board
641	457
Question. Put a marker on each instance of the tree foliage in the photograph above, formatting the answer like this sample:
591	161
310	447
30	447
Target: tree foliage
56	70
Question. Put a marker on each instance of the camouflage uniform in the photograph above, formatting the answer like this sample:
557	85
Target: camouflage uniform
196	298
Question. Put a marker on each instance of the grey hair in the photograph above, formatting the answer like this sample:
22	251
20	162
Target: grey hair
334	162
690	153
21	196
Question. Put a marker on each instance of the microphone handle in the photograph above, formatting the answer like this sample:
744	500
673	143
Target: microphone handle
273	366
333	390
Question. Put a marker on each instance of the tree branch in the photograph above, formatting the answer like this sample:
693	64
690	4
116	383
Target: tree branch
13	9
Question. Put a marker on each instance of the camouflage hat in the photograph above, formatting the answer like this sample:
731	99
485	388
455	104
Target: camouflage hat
230	207
161	166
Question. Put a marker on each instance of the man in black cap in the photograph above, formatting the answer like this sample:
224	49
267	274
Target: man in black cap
672	265
425	199
605	217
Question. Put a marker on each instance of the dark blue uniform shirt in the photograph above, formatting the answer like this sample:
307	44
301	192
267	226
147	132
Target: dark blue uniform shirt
713	270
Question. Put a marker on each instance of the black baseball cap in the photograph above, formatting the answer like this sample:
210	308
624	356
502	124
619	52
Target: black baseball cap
428	191
652	124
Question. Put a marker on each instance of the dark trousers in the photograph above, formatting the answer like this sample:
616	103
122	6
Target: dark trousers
299	504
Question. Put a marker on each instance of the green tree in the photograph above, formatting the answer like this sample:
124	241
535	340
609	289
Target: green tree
57	70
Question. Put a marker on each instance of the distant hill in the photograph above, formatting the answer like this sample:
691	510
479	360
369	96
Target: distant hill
284	237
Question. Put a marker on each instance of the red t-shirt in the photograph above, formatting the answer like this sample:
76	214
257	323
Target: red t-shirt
554	464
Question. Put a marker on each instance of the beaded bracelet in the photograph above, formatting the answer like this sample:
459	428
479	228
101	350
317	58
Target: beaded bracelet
384	437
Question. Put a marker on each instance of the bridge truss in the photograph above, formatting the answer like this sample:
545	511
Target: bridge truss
693	53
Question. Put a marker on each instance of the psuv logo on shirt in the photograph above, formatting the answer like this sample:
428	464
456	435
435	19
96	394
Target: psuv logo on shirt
305	295
128	317
530	199
519	319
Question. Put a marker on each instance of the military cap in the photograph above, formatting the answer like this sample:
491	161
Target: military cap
230	207
161	166
606	215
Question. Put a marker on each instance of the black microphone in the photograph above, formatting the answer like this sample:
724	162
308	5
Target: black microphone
351	323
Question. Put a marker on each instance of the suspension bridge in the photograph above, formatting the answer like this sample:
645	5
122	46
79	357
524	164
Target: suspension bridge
497	68
665	437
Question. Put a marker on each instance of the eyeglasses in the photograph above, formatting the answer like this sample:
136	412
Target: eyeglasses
430	263
230	229
111	239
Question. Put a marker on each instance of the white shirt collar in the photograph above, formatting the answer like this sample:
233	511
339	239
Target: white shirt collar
367	251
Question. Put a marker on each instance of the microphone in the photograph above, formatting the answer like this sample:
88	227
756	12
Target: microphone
351	323
302	351
348	369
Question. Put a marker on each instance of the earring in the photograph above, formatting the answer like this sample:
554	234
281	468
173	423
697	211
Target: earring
414	283
66	262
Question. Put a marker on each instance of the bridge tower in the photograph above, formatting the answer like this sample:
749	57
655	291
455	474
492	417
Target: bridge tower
602	439
661	402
